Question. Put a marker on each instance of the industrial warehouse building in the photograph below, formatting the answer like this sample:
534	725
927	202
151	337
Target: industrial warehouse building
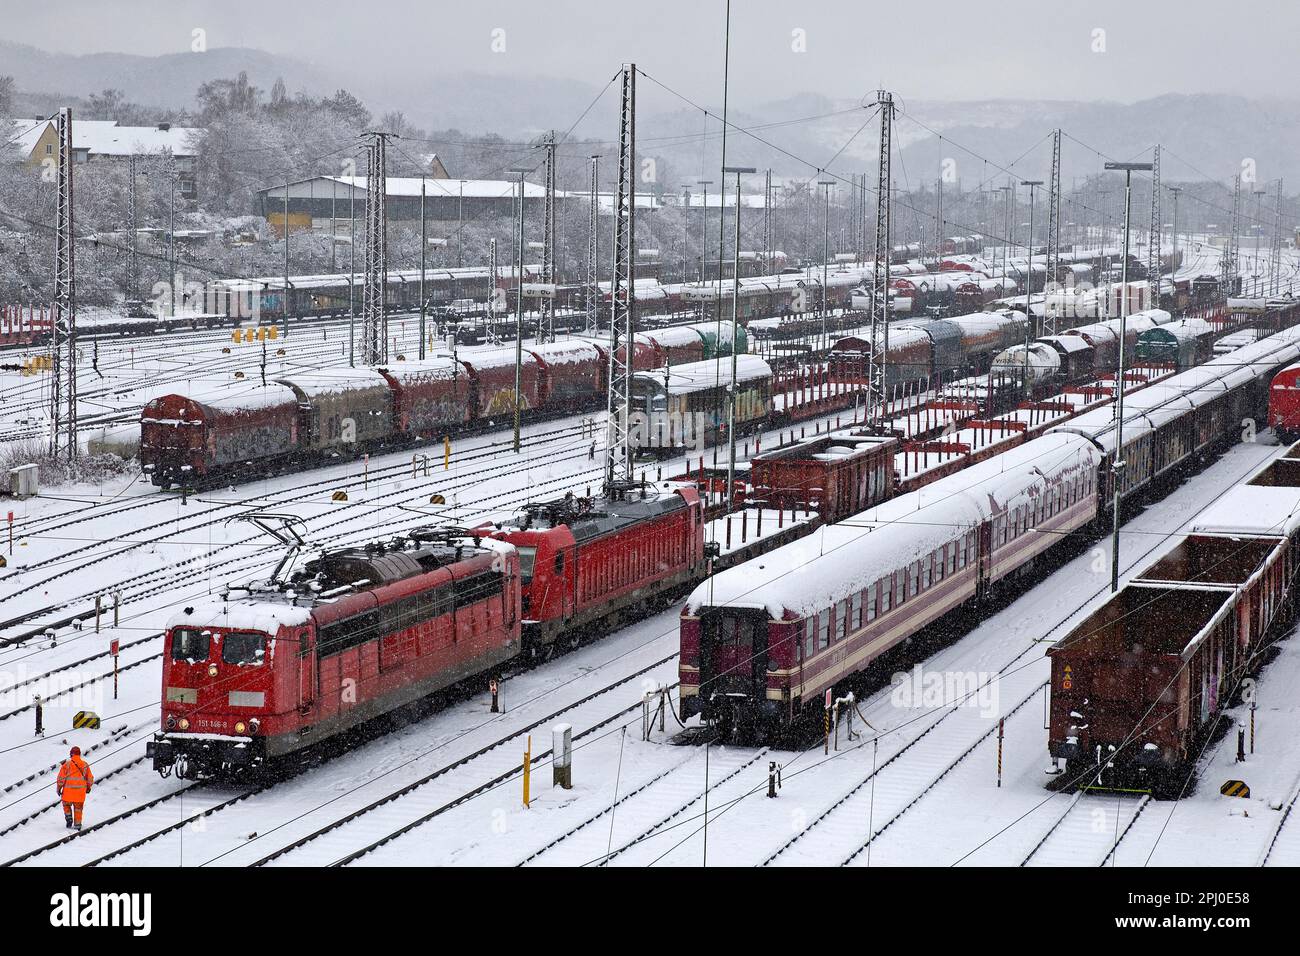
317	201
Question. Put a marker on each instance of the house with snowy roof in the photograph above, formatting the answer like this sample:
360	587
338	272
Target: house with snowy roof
37	140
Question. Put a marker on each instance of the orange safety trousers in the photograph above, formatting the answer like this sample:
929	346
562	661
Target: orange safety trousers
73	810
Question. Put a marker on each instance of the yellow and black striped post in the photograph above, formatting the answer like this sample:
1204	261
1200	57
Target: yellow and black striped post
85	718
528	766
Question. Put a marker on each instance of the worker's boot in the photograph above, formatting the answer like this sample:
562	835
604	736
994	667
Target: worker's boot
77	825
67	819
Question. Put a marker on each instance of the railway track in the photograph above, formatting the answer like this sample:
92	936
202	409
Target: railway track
891	789
387	838
1091	827
397	813
1283	848
218	515
647	847
651	804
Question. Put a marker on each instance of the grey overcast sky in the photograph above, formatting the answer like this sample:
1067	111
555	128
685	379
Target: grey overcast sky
936	49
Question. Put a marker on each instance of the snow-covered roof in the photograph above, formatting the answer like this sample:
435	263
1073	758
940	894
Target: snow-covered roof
249	613
337	379
837	560
676	336
468	188
107	138
1252	510
433	369
697	376
1184	331
490	357
1067	343
566	352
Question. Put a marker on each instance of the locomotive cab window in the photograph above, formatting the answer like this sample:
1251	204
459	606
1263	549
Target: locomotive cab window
559	562
527	558
190	644
243	647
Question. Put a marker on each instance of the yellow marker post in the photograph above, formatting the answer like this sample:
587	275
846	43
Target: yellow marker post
446	452
528	766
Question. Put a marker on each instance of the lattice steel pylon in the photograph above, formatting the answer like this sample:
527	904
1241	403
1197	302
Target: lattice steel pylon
1275	250
938	214
494	286
63	383
132	228
618	451
374	315
878	346
1053	233
1153	237
1228	264
767	221
545	305
592	299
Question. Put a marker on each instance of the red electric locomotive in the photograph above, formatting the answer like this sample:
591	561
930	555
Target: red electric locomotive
267	671
584	560
1284	403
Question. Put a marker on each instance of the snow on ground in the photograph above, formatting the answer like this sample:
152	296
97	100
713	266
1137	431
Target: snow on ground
639	802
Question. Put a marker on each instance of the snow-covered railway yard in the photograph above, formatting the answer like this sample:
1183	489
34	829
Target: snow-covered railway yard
920	789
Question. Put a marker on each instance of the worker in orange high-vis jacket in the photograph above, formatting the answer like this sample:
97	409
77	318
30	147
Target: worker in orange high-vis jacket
74	783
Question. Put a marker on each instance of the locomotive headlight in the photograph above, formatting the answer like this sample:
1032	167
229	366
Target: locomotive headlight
253	725
184	723
239	727
171	722
212	670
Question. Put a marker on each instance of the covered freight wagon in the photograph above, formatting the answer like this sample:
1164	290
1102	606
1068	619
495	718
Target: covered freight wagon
342	407
429	397
184	438
492	377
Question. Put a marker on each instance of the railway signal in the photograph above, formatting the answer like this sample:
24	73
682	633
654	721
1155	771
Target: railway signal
113	649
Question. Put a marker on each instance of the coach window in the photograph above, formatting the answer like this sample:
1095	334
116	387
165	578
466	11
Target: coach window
898	587
809	631
823	628
841	620
953	548
871	600
925	570
913	575
857	609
